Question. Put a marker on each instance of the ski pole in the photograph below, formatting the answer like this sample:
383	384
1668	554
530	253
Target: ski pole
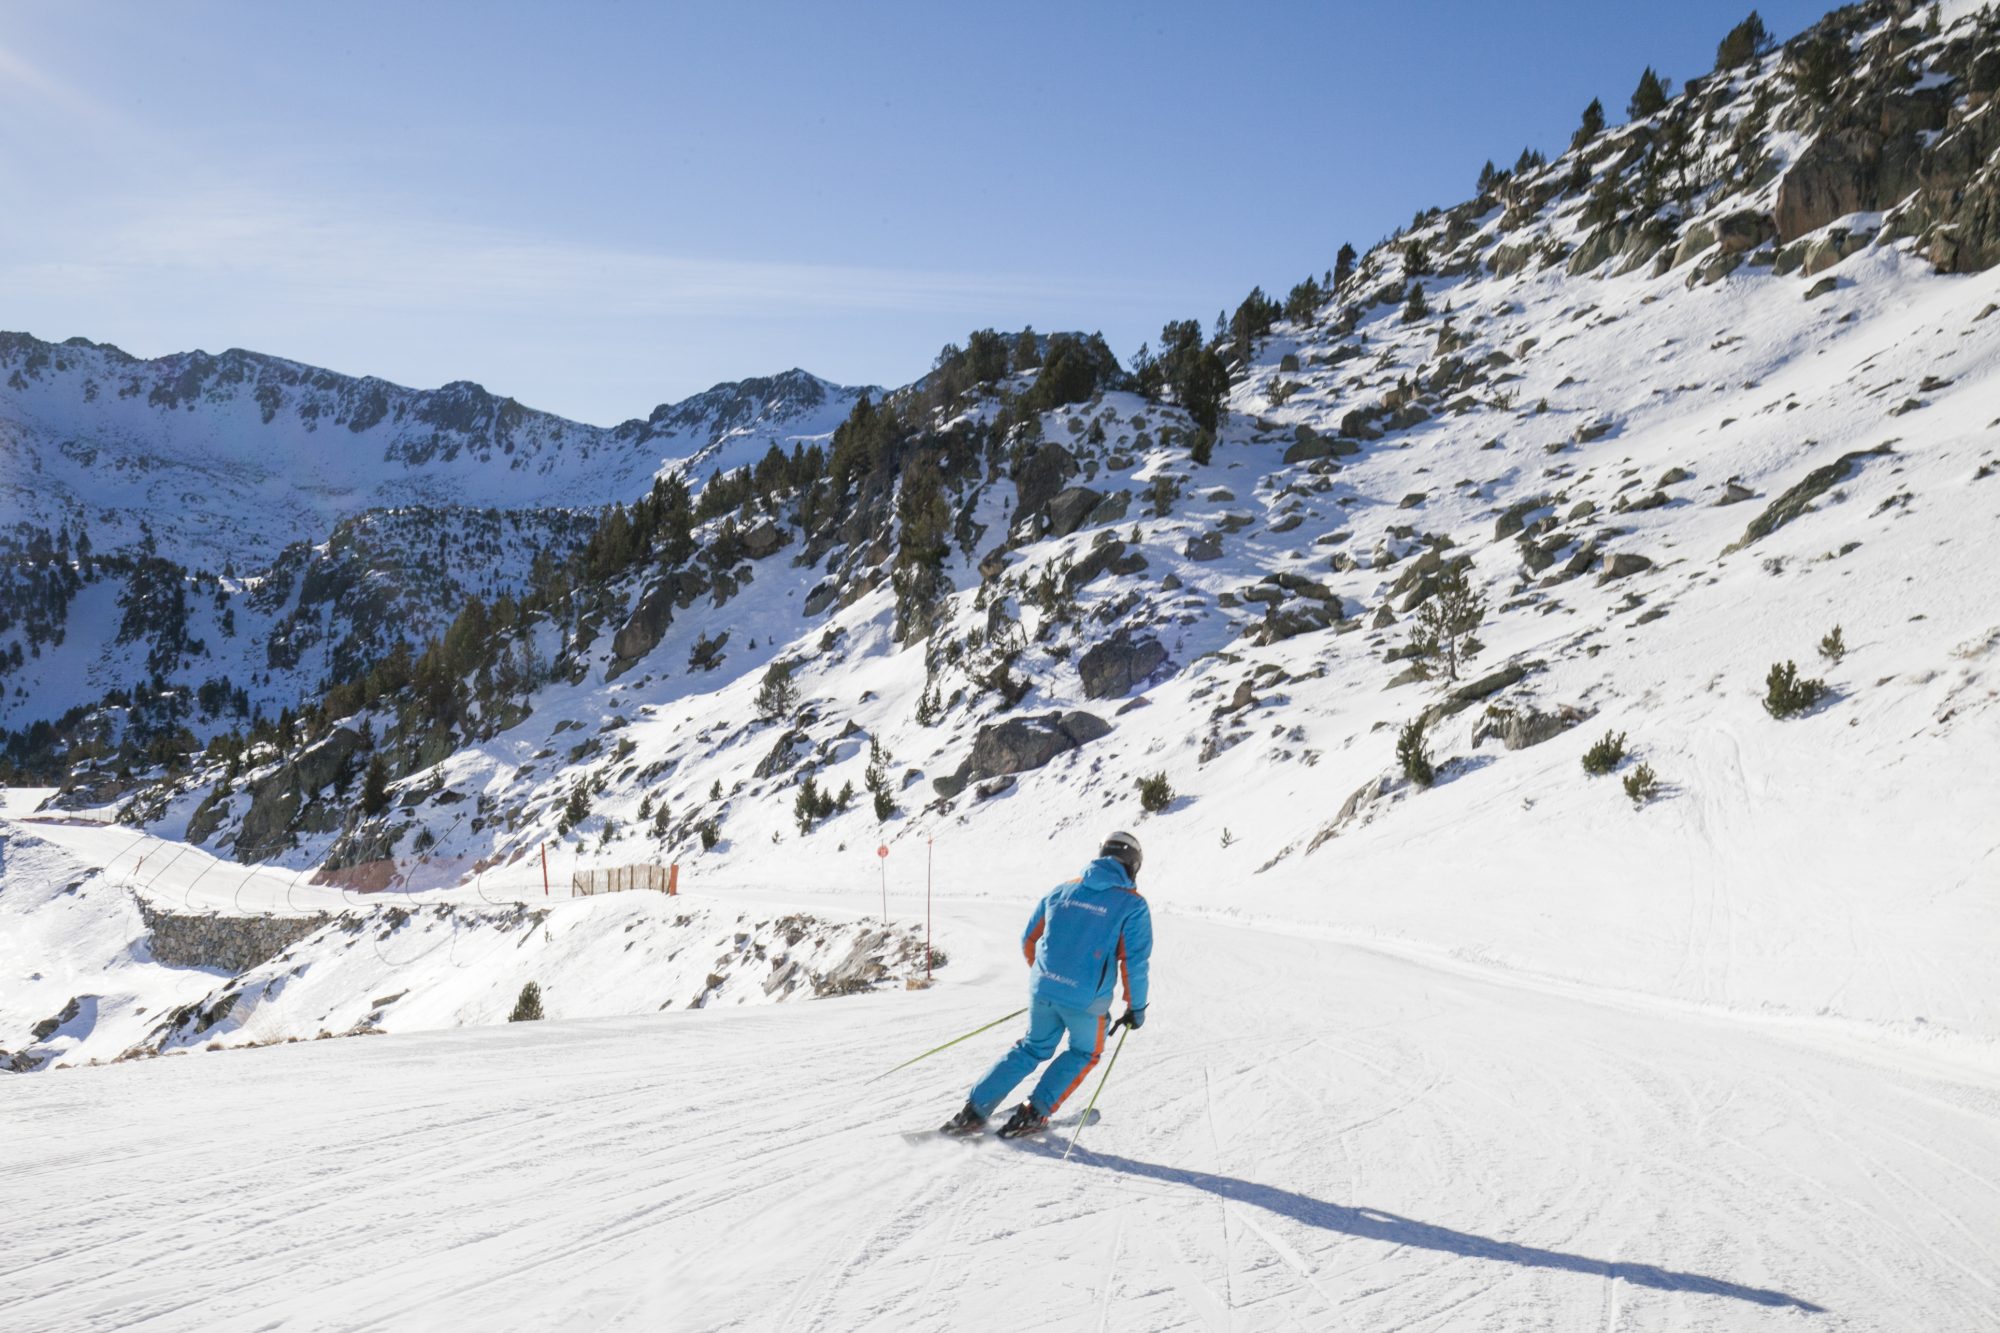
1084	1119
953	1042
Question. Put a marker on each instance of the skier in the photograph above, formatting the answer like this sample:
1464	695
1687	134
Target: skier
1074	936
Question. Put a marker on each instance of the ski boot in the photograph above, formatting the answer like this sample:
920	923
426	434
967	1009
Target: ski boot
1026	1120
967	1122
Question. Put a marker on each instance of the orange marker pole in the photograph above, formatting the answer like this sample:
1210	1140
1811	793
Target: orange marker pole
882	858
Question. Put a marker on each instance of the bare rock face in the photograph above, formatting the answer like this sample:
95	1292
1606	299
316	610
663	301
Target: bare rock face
1796	500
643	629
1070	508
1852	170
1519	728
1022	744
763	540
1118	665
277	802
1042	478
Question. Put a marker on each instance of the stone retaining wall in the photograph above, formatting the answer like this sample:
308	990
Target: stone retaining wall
233	943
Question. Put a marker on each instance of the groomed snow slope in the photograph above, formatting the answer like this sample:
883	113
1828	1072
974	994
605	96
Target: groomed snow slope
1307	1135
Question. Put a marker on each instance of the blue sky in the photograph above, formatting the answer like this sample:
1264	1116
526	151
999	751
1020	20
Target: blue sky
597	207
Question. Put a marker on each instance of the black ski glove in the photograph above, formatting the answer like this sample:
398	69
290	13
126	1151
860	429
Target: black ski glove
1132	1018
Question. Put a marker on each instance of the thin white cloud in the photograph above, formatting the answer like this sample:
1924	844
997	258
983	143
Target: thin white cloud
244	244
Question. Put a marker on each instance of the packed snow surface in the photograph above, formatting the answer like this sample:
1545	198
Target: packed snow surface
1311	1132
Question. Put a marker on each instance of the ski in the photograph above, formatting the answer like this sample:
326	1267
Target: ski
1067	1122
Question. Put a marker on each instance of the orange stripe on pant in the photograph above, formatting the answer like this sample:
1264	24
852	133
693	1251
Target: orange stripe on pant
1090	1064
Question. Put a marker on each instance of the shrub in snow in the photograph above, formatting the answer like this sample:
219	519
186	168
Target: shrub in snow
1604	756
1785	695
1641	784
1155	793
528	1008
710	830
1414	755
1416	307
1833	646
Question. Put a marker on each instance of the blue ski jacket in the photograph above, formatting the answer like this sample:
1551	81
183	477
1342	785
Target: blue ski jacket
1080	930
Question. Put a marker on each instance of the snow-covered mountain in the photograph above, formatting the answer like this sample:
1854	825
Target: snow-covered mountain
1677	405
1557	696
232	458
260	527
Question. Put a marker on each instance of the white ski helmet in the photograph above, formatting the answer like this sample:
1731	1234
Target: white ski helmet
1123	848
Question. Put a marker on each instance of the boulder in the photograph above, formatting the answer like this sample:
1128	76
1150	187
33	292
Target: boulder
1041	478
1743	230
1824	251
325	759
763	540
1515	516
1020	745
1069	508
1698	237
821	597
1623	564
1472	692
1208	546
1118	665
1111	508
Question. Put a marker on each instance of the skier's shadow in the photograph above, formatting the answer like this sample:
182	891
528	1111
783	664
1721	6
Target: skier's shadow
1374	1224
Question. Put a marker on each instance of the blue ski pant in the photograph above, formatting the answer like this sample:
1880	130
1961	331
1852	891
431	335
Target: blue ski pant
1046	1025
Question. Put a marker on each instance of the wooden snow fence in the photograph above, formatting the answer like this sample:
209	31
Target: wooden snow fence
619	879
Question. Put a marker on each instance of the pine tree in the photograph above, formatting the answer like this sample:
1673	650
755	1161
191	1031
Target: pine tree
1592	126
1415	308
1649	98
1027	352
1446	622
877	779
921	547
1343	265
528	1008
778	695
1413	755
375	787
1745	42
1204	389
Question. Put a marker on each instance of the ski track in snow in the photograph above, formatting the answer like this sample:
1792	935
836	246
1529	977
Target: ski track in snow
1307	1135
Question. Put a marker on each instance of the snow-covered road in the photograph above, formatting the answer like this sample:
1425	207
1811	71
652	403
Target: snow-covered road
1307	1135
